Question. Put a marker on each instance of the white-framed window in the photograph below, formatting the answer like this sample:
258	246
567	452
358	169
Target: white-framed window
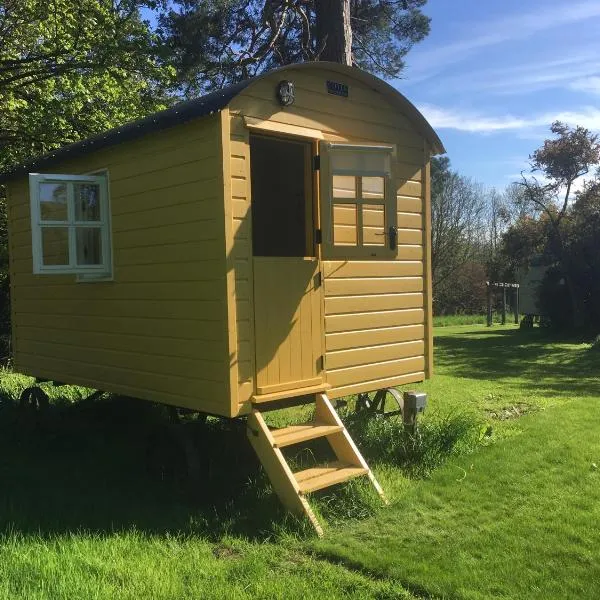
358	206
70	225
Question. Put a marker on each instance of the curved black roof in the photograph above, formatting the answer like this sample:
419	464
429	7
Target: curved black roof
179	113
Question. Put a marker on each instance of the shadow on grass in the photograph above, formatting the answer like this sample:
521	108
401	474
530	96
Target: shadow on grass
86	470
537	361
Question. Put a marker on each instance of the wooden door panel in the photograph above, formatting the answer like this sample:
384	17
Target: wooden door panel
288	324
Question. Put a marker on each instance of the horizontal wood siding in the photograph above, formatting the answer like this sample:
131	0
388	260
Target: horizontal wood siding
158	330
375	320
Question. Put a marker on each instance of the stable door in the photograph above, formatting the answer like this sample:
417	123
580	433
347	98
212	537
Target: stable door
288	314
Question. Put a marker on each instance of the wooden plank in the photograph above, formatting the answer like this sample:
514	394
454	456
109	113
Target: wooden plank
373	337
364	356
289	385
215	369
410	236
192	209
373	320
408	188
355	304
203	399
318	478
97	292
372	285
350	375
71	371
115	340
410	220
295	434
305	391
208	229
406	204
188	329
376	384
338	269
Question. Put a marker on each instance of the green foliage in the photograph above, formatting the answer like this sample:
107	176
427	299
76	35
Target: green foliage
418	453
69	70
220	41
563	233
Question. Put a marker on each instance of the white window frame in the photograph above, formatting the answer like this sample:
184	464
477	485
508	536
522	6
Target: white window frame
102	271
330	250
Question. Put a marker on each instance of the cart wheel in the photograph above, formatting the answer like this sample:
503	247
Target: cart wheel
387	402
172	457
33	400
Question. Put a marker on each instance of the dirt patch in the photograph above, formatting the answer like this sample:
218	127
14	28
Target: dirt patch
510	412
224	552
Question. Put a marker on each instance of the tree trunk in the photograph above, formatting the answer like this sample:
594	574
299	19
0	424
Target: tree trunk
334	31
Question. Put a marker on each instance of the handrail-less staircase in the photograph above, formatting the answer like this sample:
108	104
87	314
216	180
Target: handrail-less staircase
292	487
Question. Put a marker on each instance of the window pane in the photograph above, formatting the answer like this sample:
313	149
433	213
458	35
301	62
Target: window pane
53	201
374	225
344	186
345	231
89	245
373	188
357	160
55	246
87	202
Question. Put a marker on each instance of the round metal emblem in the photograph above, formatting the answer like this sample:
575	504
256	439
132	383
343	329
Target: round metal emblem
285	93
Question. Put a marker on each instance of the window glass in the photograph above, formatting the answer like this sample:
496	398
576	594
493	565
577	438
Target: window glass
374	225
373	187
87	202
345	228
53	202
69	225
344	186
89	245
55	246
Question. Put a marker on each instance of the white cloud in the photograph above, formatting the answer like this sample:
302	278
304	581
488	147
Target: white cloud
587	84
425	63
460	120
578	71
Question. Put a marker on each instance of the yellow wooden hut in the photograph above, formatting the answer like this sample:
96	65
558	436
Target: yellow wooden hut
267	241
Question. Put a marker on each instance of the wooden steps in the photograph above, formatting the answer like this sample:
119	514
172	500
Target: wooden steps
302	433
292	487
317	478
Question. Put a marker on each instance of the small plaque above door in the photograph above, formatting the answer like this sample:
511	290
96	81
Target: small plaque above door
337	89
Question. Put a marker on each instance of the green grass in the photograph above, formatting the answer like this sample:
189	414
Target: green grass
512	514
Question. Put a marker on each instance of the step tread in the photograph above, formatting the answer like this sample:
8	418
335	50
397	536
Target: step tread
301	433
317	478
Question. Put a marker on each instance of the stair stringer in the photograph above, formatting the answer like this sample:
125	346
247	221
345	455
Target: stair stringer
280	475
341	443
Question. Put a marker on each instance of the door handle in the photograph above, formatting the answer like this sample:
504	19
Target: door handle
392	234
393	237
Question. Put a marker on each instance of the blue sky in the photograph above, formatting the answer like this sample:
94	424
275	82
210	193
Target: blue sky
491	77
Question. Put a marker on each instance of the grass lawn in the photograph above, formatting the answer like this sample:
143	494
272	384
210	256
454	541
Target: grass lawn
517	518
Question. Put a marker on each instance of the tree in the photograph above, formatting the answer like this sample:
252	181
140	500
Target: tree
69	70
457	225
215	42
561	161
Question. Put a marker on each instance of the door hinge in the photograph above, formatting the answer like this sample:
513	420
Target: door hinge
322	362
316	162
318	236
317	280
